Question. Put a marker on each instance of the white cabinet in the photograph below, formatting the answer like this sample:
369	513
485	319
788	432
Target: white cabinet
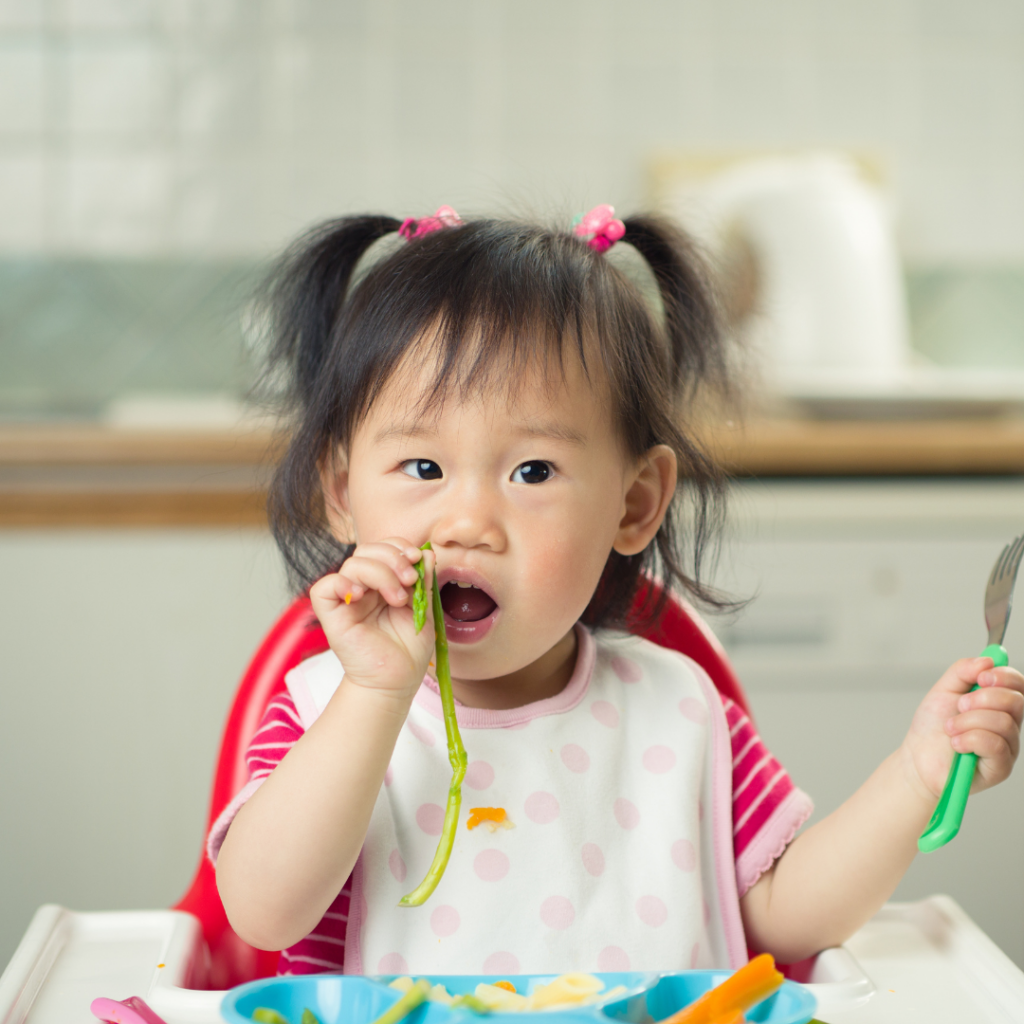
121	652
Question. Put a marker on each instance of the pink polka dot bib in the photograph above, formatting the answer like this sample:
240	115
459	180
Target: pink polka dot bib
620	858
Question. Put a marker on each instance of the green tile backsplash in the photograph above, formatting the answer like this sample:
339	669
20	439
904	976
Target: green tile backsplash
75	334
968	317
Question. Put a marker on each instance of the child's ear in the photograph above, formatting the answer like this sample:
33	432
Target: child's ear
646	500
334	482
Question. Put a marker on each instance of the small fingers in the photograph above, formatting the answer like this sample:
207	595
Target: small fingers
989	747
1005	678
963	674
333	589
397	554
372	574
994	697
997	727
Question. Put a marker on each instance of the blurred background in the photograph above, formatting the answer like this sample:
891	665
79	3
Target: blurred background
155	154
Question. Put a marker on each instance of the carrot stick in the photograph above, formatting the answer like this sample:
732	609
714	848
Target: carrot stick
726	1003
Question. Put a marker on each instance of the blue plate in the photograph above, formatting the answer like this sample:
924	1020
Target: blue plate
790	1004
352	999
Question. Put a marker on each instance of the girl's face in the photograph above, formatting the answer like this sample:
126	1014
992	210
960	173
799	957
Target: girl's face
522	502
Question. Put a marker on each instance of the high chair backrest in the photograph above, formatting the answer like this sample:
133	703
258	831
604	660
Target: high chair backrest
296	636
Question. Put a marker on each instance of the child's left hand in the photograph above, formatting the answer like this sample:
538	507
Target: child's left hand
950	720
834	876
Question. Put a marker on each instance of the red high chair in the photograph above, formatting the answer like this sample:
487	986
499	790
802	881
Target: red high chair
294	637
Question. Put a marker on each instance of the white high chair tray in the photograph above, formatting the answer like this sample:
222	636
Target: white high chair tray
923	961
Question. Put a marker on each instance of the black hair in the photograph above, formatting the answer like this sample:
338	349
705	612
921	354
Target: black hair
494	295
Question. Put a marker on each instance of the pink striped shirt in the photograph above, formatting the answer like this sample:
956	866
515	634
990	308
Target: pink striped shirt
767	812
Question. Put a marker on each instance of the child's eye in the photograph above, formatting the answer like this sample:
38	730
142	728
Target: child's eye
532	472
422	469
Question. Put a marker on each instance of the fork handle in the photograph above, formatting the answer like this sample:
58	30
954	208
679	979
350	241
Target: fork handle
949	812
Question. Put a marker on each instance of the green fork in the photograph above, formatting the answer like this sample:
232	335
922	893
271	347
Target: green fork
949	813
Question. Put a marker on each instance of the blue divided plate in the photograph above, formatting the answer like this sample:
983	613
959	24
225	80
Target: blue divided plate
790	1004
352	999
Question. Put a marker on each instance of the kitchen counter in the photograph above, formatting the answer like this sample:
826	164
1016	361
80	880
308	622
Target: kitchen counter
94	476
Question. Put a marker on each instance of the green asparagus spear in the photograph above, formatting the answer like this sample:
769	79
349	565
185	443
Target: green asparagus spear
419	595
309	1017
470	1002
396	1011
456	758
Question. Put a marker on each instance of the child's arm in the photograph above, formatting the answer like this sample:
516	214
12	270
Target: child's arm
291	847
837	874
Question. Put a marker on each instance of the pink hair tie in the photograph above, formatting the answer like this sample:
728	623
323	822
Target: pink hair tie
445	217
601	225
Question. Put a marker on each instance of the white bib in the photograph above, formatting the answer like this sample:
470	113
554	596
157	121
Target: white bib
621	856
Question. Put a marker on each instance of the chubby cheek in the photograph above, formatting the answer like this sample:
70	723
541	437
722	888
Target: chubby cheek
562	574
557	578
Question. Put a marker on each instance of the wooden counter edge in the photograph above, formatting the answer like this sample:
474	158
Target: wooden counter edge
844	448
93	445
167	510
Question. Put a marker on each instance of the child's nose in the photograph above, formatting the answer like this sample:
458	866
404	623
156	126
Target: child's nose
470	522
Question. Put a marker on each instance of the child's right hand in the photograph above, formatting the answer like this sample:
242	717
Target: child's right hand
372	632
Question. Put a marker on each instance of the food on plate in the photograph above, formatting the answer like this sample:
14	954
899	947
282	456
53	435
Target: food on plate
416	993
456	758
726	1003
493	817
264	1015
565	990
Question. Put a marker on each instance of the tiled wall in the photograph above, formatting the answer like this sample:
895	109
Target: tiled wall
223	126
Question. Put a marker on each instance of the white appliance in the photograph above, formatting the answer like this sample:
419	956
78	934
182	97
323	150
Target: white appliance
825	312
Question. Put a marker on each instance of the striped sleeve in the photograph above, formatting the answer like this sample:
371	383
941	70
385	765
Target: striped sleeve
280	729
323	949
278	732
767	809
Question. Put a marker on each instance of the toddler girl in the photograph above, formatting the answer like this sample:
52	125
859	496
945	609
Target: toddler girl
505	392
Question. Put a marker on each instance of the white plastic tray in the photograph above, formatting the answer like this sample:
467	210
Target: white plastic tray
922	961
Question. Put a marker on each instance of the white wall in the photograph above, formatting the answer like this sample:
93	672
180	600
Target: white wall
174	126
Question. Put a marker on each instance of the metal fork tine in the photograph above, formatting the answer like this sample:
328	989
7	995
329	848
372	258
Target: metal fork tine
997	568
1010	562
1007	558
1015	560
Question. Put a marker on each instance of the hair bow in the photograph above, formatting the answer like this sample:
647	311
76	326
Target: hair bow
413	227
601	225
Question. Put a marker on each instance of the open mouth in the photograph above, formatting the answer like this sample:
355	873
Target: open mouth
464	602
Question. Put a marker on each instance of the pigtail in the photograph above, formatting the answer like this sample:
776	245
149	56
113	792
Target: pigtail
692	322
303	298
693	360
305	292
